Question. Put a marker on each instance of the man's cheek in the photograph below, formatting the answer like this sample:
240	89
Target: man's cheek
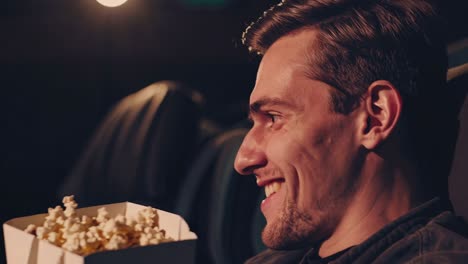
279	147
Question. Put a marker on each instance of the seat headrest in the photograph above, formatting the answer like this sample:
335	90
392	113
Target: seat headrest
139	149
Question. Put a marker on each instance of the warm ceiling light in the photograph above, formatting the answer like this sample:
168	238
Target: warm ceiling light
111	3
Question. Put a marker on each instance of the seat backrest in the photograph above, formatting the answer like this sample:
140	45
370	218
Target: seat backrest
140	151
458	179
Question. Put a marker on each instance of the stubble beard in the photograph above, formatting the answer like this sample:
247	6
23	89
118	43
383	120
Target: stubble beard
292	229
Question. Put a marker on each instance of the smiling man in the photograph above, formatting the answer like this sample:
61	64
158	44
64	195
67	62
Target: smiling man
343	111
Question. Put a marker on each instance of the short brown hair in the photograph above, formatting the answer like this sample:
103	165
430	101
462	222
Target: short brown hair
360	41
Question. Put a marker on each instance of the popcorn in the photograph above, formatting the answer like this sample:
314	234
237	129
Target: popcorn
152	236
103	215
116	242
41	232
31	229
70	205
120	219
86	221
55	213
72	243
149	216
85	235
54	238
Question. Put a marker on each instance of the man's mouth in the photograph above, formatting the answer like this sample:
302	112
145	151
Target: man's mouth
272	204
272	187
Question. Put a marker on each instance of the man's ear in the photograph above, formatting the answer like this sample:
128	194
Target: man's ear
382	107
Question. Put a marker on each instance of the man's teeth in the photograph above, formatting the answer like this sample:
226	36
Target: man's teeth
272	188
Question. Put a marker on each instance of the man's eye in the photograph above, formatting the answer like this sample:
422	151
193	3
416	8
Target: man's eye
272	117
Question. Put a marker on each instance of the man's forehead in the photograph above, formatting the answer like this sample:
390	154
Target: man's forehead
283	88
287	58
272	92
283	75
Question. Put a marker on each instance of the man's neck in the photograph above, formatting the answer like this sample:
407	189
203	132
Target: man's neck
383	195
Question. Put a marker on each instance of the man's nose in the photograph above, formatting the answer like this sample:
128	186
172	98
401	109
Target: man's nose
250	156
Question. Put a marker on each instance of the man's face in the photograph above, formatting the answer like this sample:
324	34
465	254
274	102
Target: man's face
301	151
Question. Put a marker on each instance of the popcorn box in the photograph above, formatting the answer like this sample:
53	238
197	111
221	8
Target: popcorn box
24	248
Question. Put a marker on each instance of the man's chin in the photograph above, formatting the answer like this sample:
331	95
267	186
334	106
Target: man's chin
286	233
277	238
283	244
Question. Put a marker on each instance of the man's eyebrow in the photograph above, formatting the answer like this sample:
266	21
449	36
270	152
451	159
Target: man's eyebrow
257	105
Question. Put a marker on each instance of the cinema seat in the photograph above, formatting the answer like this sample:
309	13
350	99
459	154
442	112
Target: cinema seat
140	151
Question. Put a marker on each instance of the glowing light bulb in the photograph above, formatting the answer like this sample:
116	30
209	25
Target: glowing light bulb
111	3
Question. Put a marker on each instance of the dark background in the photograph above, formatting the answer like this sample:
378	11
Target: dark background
63	63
